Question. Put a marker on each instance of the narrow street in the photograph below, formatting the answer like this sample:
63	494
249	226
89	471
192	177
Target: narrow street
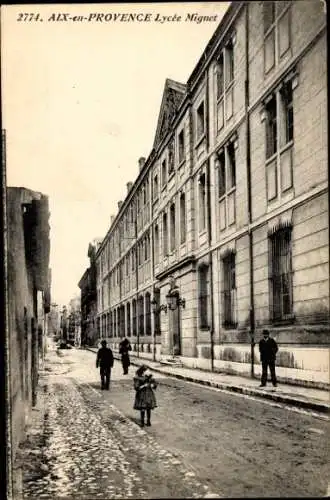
202	442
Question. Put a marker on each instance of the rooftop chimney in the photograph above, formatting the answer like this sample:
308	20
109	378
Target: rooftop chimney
129	186
119	204
112	218
142	161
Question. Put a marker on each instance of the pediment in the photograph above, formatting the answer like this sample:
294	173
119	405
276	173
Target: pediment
171	100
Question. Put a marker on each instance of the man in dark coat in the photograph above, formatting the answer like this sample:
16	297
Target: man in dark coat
104	360
124	348
268	349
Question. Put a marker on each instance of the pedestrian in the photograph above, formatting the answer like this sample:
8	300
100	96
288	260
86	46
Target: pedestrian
124	348
268	349
104	360
145	399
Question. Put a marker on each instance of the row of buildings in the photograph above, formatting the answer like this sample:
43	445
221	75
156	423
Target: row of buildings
225	229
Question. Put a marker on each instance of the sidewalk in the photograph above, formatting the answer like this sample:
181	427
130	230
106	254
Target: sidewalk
301	397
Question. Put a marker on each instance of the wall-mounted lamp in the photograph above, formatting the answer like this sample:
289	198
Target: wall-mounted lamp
158	308
174	301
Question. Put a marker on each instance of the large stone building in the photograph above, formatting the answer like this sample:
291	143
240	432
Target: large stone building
229	212
27	248
88	306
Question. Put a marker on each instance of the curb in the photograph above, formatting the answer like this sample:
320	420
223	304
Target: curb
289	400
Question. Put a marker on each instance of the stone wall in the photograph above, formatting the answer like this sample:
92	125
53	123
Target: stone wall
28	261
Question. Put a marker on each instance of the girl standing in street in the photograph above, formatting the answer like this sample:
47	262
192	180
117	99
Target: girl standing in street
145	399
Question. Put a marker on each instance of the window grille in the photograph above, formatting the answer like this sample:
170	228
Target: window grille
134	318
157	313
203	297
229	295
280	275
141	316
128	312
148	314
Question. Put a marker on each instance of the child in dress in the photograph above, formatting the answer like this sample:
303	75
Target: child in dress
145	399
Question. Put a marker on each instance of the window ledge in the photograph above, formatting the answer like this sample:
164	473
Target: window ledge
170	176
181	163
204	328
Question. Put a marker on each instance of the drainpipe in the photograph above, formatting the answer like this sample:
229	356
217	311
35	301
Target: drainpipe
248	163
137	311
152	267
6	351
209	219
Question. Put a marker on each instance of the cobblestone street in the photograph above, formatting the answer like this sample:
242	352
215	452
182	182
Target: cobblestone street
86	443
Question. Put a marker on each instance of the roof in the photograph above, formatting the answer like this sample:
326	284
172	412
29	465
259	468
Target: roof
173	95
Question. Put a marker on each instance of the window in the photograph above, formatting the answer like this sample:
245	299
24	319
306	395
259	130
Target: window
110	325
271	127
226	165
157	314
164	173
202	202
222	174
224	79
165	235
146	246
182	218
141	316
229	54
200	126
280	274
156	188
269	15
127	264
134	317
220	76
276	32
133	258
279	140
146	192
148	314
203	299
171	158
172	227
122	321
140	256
128	314
115	323
156	244
181	147
231	165
118	322
287	110
229	292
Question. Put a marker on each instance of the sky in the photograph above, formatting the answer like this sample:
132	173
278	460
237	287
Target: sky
80	103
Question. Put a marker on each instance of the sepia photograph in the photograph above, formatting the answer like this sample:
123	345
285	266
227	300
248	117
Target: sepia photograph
166	250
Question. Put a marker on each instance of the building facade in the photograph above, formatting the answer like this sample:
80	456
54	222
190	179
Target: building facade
225	230
27	288
87	285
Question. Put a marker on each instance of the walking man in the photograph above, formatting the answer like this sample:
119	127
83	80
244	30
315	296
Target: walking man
104	360
124	349
268	349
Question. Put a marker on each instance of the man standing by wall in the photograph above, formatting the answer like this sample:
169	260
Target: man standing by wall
268	349
104	360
